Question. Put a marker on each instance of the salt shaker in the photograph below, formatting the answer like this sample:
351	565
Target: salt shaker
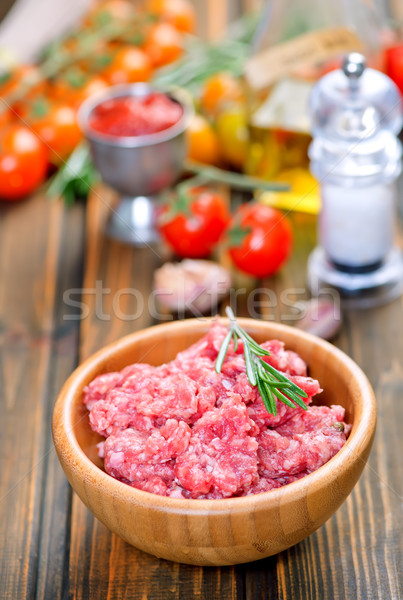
355	155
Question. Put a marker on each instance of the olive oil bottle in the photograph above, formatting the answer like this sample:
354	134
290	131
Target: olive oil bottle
297	42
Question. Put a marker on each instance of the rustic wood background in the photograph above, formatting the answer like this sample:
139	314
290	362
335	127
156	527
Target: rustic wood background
50	545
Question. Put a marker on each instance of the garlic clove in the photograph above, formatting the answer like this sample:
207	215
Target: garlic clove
320	316
193	286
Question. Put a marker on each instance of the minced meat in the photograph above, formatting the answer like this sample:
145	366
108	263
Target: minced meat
185	431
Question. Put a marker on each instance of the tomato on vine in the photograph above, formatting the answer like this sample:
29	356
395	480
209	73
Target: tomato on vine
75	85
23	75
193	224
163	44
109	11
23	162
259	239
179	13
56	125
129	65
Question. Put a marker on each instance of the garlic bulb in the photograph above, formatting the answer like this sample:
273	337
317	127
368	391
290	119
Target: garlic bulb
320	316
192	286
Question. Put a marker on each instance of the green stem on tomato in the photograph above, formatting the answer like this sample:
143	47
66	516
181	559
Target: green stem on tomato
195	181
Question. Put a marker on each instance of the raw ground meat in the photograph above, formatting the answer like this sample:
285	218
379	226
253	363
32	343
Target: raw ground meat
185	431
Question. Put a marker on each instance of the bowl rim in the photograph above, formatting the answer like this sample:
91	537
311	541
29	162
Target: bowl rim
360	436
137	90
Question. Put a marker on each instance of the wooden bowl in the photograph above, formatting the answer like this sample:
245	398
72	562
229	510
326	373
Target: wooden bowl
215	532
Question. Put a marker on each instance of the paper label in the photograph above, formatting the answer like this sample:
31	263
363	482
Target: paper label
285	107
270	65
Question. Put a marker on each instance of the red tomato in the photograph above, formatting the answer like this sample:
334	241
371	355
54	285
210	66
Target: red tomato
110	11
197	223
394	65
129	65
163	45
56	125
260	239
5	116
74	86
179	13
23	162
22	75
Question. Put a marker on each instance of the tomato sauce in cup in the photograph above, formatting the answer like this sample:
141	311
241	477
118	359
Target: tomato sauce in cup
130	116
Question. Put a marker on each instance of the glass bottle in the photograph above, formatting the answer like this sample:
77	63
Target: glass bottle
297	42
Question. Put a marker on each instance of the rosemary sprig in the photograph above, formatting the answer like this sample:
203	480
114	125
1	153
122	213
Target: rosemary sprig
270	382
234	180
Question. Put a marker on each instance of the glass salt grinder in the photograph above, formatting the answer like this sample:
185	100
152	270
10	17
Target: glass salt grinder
355	155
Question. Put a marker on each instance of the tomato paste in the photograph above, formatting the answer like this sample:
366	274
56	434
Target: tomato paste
128	116
182	430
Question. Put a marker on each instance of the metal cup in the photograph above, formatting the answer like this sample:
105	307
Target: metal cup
138	167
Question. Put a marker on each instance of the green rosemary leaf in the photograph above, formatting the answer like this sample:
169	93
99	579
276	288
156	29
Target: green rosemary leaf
231	317
266	397
283	398
250	368
223	352
268	380
272	399
285	379
254	346
291	397
258	350
295	398
279	384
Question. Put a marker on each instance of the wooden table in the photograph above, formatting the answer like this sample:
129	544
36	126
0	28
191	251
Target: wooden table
55	265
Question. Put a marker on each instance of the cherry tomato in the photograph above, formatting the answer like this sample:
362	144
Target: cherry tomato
6	116
22	75
56	125
129	65
75	86
98	59
163	45
110	11
179	13
203	144
197	223
218	90
260	239
394	65
23	162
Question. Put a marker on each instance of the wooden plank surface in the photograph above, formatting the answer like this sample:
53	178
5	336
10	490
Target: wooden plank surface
51	545
31	238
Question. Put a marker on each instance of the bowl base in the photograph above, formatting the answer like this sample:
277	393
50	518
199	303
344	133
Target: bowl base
133	221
